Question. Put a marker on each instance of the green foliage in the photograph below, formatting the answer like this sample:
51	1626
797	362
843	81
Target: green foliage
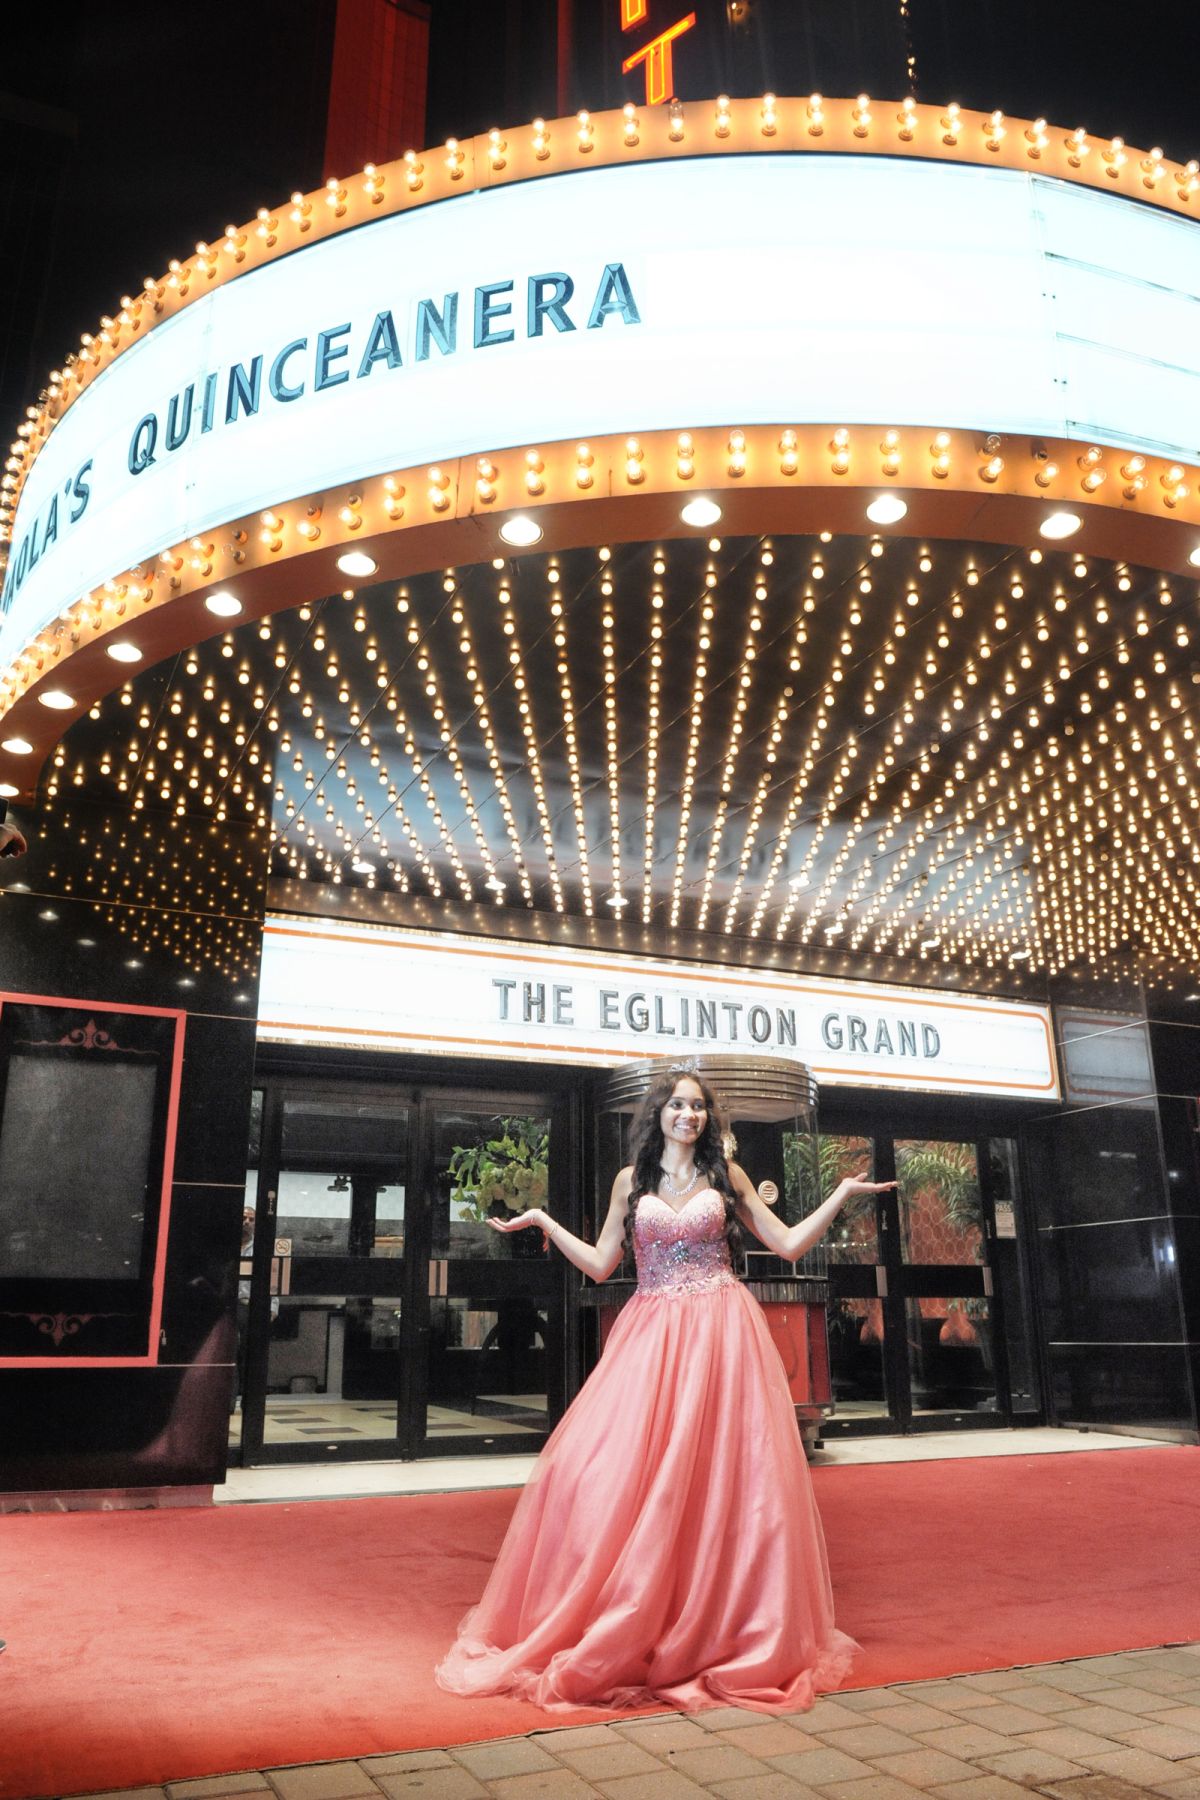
814	1165
949	1170
510	1171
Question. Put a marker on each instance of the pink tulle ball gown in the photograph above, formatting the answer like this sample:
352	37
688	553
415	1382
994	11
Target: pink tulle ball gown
667	1546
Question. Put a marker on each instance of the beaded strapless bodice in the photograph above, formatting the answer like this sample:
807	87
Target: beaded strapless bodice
684	1252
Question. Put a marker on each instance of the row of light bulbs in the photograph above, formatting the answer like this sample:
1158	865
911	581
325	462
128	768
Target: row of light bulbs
1165	482
419	178
982	820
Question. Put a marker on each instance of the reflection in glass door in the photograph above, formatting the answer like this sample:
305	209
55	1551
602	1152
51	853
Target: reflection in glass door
330	1309
857	1284
383	1316
929	1311
494	1329
945	1282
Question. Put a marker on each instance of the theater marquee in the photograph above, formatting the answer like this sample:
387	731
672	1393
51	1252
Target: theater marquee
699	292
325	982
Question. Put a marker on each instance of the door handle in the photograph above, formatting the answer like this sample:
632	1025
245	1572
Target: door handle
881	1281
988	1288
439	1274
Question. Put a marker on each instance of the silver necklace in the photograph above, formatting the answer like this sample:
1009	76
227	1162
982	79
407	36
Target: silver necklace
677	1193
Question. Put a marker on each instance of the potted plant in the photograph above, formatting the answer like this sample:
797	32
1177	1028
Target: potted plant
505	1174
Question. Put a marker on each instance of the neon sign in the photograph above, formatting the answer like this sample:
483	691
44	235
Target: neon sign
657	56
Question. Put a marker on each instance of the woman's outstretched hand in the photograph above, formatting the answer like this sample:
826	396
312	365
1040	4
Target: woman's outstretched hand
535	1216
854	1185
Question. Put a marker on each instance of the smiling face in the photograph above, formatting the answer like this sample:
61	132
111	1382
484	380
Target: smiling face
685	1114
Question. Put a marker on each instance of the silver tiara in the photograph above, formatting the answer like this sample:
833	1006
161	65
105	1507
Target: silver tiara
689	1066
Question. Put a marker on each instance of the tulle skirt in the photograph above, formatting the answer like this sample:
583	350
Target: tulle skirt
667	1546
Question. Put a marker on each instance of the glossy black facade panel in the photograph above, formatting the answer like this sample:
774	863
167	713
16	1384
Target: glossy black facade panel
200	1294
113	1428
1113	1186
1134	1387
152	1411
1104	1162
1110	1283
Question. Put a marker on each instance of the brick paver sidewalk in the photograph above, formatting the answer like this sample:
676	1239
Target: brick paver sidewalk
1105	1728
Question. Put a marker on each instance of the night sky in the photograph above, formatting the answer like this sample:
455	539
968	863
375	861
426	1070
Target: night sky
193	114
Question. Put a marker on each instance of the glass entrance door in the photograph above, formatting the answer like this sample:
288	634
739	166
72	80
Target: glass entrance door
489	1371
379	1314
944	1280
918	1336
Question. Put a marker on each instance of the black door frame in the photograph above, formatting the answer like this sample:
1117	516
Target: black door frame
370	1277
882	1119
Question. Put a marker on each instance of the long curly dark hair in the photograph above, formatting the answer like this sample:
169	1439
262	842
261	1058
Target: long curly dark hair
646	1145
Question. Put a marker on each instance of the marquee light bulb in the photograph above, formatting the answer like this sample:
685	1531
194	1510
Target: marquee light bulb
1060	525
521	531
357	562
887	509
700	512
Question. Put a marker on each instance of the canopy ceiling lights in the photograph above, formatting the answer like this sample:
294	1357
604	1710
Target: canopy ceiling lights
870	745
797	479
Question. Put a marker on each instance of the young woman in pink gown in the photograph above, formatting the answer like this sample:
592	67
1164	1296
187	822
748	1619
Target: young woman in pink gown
667	1546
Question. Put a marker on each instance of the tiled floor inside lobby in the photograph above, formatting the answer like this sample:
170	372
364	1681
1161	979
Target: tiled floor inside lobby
1106	1728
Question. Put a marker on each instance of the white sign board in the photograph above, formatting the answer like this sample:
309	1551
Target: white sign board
327	982
765	289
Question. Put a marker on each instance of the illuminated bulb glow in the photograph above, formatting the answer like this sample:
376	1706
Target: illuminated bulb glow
521	531
888	509
223	605
357	562
1060	525
700	512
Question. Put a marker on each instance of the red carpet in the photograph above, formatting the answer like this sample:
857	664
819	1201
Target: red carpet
151	1646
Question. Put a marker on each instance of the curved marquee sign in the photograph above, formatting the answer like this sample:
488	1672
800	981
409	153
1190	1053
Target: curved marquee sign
695	292
327	982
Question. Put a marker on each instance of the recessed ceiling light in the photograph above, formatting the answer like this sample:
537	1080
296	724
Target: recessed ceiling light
48	913
132	962
929	943
17	747
1060	525
888	509
8	791
616	901
362	867
57	700
1194	558
494	882
521	531
126	653
86	943
224	604
701	512
357	562
1020	955
799	879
